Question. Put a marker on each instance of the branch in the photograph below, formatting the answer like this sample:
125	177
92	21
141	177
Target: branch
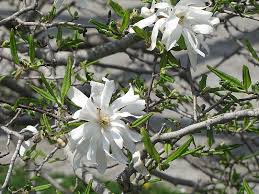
220	119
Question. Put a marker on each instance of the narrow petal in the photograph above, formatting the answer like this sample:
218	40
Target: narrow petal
170	26
135	108
91	154
101	159
134	136
191	53
202	29
145	12
124	100
174	37
138	164
108	90
116	137
77	97
155	31
145	22
25	146
116	152
192	39
91	108
96	91
84	114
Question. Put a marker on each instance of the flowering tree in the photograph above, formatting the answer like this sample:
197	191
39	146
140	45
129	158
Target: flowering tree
143	121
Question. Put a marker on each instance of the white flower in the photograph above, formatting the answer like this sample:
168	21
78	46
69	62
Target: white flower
187	18
105	133
81	3
27	144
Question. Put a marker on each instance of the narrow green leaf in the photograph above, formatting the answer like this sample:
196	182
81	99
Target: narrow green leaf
41	187
88	188
179	151
225	77
31	48
246	78
43	93
99	24
67	80
13	48
247	187
116	8
251	49
203	82
141	120
149	145
125	21
49	88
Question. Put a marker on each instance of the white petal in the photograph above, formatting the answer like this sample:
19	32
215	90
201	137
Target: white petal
191	2
191	53
145	12
155	31
96	91
91	154
162	5
116	152
80	153
127	140
192	39
202	29
25	145
174	37
145	22
77	97
116	137
84	132
124	100
135	108
101	159
84	114
171	24
31	129
138	164
108	90
134	136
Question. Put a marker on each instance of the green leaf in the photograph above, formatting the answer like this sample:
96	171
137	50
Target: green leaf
67	80
141	120
225	77
149	145
43	93
31	48
42	187
251	49
125	21
203	82
88	188
247	187
246	78
49	88
179	151
116	8
13	48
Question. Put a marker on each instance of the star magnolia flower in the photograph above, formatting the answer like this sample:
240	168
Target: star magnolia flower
187	18
58	3
27	144
105	133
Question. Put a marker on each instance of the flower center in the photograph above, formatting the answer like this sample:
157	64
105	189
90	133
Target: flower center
104	120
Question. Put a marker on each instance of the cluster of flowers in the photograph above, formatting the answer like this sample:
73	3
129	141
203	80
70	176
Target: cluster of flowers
104	134
187	18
